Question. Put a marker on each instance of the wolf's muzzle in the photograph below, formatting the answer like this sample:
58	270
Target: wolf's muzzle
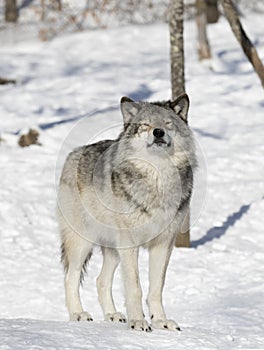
159	138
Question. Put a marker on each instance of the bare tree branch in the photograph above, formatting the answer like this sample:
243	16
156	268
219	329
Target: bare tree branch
239	32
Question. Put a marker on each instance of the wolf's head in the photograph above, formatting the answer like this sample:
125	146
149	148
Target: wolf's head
160	126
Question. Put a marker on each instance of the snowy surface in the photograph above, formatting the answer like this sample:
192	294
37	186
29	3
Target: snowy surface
70	88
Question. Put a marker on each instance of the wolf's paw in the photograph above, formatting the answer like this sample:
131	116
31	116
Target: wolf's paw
115	317
140	325
165	324
81	316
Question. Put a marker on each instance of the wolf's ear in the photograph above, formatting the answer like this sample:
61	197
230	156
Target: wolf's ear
129	108
126	99
181	106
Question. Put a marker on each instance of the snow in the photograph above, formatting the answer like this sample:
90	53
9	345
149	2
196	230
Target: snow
70	88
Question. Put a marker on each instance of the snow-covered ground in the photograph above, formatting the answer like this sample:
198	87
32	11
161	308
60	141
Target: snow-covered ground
70	89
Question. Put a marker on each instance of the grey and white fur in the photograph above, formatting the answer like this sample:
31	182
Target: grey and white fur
123	194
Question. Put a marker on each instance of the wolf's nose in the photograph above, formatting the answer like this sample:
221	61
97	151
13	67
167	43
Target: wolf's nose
158	132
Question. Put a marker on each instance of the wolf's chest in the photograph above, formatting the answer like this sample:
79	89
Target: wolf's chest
152	189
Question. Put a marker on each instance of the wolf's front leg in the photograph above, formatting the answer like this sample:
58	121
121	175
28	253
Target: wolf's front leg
104	285
159	256
133	293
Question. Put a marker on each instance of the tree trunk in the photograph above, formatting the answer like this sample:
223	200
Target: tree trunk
58	5
178	82
177	48
11	12
201	21
183	237
212	12
43	10
247	46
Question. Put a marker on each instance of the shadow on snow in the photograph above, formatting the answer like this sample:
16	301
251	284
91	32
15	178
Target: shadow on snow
207	134
219	231
142	93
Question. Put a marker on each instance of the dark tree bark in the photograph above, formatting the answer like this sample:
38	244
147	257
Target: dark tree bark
177	47
11	12
212	11
247	46
59	5
204	51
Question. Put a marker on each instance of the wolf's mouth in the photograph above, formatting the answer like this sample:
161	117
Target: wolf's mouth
160	143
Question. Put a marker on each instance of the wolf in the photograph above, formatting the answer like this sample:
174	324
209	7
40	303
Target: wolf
124	194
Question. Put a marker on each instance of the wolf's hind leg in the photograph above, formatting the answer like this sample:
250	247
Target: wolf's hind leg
76	252
104	285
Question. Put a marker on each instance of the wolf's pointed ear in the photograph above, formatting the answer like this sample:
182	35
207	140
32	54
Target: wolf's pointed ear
181	106
126	99
129	108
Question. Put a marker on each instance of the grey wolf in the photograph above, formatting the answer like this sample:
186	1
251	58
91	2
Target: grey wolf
123	194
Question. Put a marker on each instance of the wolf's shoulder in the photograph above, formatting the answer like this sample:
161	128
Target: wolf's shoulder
97	148
90	150
87	155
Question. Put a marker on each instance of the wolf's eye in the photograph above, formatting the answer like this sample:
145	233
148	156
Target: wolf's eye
143	127
169	124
